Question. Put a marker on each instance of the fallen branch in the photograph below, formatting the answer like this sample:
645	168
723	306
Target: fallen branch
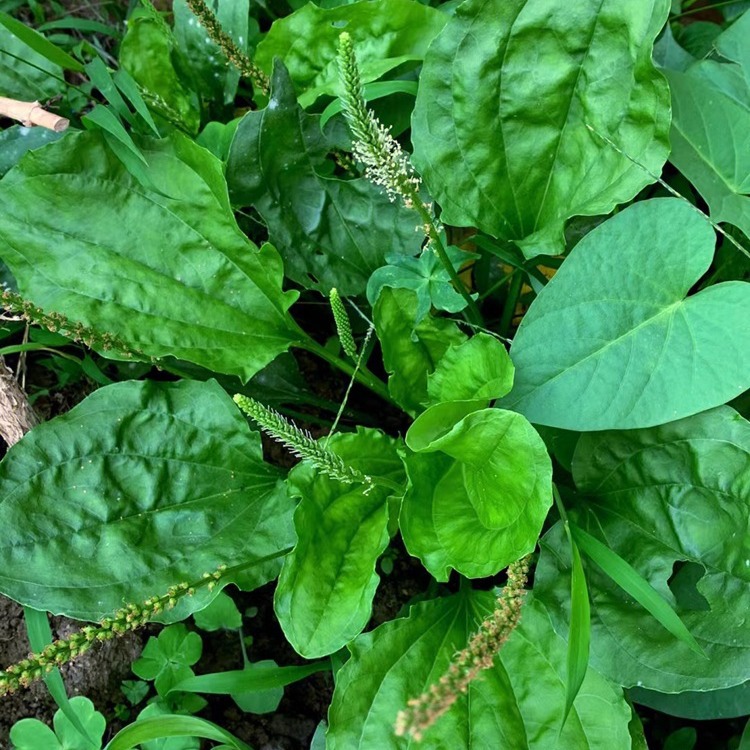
32	113
16	415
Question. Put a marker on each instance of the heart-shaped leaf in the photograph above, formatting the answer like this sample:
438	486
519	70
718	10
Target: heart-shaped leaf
479	490
669	500
506	93
613	342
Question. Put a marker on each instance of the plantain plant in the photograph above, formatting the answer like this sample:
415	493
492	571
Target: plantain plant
539	356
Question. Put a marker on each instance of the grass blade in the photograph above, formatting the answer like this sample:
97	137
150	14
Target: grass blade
630	581
102	79
104	118
254	679
128	86
39	44
161	727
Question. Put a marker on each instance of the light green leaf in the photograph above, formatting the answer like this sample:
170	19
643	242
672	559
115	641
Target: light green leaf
214	78
518	704
31	734
660	498
220	614
477	370
579	635
167	725
167	658
424	275
102	117
325	590
621	346
177	278
386	34
505	96
24	73
479	502
730	703
711	127
410	351
329	231
148	53
142	485
36	41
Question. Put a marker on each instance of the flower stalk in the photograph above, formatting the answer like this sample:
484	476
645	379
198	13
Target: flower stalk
343	326
422	712
301	443
130	617
386	164
224	41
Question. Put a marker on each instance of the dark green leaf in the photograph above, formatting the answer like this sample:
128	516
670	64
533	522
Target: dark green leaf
330	232
612	342
24	73
505	97
140	486
16	140
39	44
661	497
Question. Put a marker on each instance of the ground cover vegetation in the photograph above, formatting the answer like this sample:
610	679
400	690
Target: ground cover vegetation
460	285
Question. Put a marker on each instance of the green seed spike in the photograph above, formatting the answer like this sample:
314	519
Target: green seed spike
300	443
343	326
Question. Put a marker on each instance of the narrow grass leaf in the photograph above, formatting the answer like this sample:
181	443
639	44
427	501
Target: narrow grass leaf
125	82
253	679
630	581
39	44
82	24
101	78
161	727
579	637
103	117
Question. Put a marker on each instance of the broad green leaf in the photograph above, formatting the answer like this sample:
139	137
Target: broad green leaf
505	97
37	42
386	34
32	734
477	370
168	272
24	73
711	127
214	78
730	703
156	727
148	53
632	583
16	140
517	705
142	485
659	498
410	351
478	492
330	232
612	342
424	275
166	657
325	590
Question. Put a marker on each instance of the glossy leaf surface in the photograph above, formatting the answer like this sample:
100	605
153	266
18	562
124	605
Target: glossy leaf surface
479	491
385	34
170	273
661	498
517	705
624	347
505	97
141	485
325	590
330	232
410	351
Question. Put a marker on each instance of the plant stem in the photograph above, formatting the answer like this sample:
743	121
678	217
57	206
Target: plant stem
363	376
